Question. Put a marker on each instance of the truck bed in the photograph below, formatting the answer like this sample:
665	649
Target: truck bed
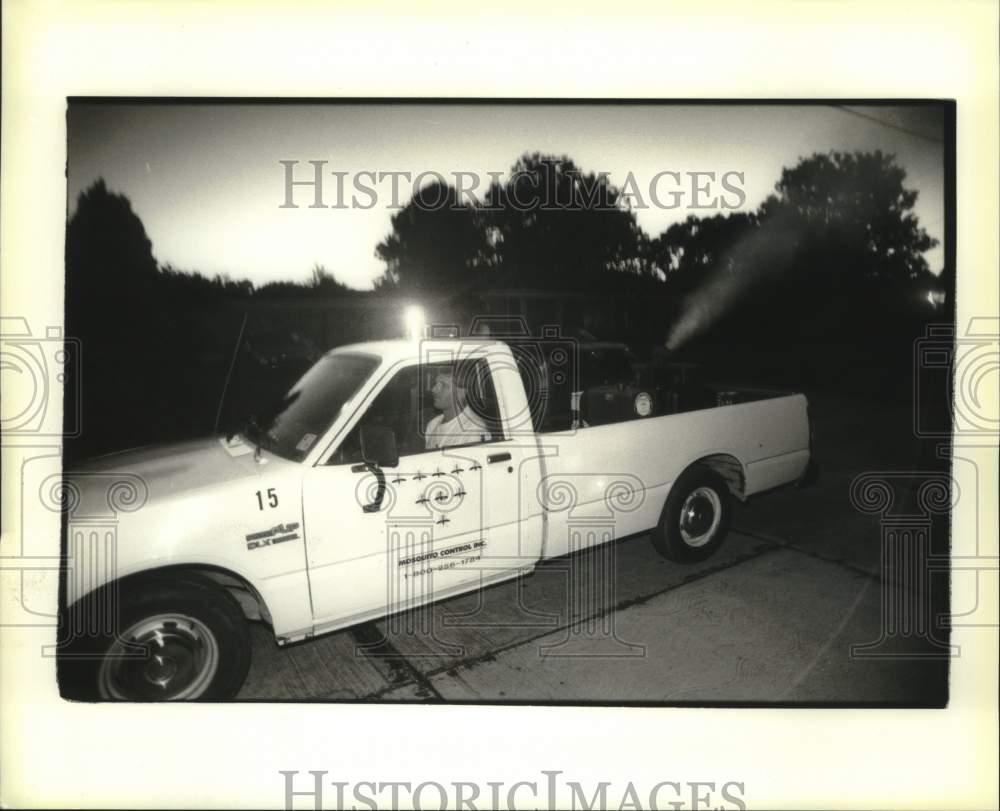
613	403
608	480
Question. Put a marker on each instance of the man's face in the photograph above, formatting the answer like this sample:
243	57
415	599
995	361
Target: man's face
443	391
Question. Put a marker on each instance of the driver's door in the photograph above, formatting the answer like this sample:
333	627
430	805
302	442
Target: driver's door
421	539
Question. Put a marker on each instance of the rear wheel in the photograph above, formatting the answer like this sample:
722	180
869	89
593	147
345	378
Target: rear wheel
176	639
695	518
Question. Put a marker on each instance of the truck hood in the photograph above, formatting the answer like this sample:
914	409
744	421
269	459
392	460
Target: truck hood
161	471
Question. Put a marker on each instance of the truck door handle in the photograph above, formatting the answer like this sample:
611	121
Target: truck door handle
376	505
493	458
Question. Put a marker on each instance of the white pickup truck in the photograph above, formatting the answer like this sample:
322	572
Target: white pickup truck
331	510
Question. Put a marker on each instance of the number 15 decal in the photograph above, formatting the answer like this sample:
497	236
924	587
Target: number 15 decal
272	498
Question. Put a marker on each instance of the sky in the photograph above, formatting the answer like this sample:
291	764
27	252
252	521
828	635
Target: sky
207	181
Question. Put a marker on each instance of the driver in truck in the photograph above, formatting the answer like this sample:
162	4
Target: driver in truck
457	424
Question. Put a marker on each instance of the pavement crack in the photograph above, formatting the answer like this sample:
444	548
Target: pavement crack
369	636
491	654
791	546
376	644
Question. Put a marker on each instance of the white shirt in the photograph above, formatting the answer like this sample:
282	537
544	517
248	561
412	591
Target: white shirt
465	429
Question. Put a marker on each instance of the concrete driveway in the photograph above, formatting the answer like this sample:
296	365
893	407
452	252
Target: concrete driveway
771	618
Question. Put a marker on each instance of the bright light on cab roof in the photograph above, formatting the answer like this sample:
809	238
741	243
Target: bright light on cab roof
417	326
415	322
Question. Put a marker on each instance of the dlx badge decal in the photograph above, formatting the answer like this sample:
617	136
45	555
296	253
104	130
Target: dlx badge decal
269	537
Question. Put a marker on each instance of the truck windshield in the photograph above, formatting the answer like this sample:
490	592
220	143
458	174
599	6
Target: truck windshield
309	408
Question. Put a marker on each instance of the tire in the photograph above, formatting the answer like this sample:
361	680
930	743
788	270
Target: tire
180	638
695	518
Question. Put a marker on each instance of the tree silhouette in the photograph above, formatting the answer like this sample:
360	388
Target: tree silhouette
549	224
836	244
190	286
321	282
109	259
854	217
553	224
324	281
106	235
437	242
688	249
110	268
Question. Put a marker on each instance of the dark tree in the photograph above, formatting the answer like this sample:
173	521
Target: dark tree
438	242
192	287
552	224
323	281
109	259
149	335
106	236
854	218
688	250
110	269
826	275
857	265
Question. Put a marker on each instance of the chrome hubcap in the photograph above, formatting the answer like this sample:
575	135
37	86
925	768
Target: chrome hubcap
165	657
701	515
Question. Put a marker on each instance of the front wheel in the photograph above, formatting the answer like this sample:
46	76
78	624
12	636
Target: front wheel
695	518
175	639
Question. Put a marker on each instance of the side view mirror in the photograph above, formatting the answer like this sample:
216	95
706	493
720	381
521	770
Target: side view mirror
378	446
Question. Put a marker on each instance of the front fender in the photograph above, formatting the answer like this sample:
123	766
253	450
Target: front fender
224	526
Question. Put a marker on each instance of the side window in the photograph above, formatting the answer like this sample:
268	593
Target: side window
416	401
397	407
468	387
549	389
